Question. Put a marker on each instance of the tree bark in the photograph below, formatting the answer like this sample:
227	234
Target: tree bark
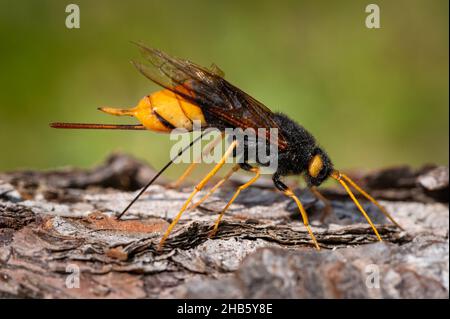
58	238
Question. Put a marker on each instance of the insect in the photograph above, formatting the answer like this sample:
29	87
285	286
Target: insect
194	93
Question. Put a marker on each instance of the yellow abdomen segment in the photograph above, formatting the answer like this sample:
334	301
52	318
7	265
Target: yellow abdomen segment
163	111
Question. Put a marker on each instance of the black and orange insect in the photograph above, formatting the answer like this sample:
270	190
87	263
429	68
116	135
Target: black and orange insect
194	93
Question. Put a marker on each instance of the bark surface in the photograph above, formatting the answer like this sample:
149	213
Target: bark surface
58	238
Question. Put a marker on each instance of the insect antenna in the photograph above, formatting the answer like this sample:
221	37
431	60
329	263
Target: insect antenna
338	176
370	198
158	174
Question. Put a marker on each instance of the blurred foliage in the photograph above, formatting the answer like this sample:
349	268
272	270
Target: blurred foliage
371	97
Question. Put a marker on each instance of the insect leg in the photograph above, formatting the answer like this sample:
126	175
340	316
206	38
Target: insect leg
240	188
319	196
198	188
218	184
186	173
288	192
191	167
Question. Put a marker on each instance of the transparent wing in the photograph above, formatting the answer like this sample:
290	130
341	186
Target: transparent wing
209	90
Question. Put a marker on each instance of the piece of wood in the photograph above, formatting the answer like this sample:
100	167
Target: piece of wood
58	239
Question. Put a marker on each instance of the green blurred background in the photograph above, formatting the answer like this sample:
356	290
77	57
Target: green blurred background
372	97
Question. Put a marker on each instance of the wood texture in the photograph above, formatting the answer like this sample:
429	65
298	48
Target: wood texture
58	238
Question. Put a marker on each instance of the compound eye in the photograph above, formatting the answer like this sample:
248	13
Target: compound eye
315	166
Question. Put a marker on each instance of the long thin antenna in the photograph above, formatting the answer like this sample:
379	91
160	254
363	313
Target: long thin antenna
157	175
366	195
338	176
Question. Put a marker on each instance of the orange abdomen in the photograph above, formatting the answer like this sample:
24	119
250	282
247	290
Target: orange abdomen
163	111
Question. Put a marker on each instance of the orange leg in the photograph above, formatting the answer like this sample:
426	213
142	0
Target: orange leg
191	167
288	192
218	184
198	188
241	188
319	196
180	179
